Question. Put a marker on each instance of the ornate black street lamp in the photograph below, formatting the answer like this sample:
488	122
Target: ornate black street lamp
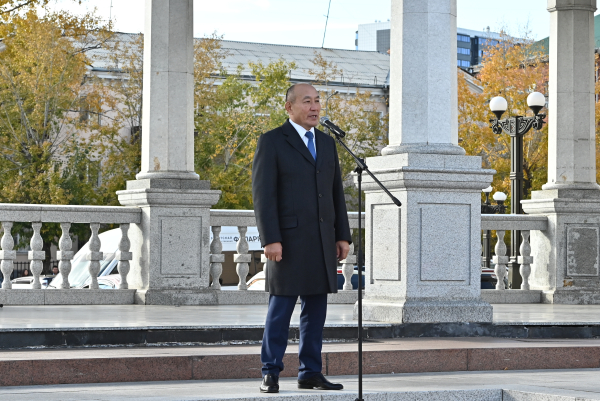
516	127
488	208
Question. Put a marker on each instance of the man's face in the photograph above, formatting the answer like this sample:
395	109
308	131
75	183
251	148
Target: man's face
55	270
306	107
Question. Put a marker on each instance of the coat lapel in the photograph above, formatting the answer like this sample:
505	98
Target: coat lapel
322	148
294	139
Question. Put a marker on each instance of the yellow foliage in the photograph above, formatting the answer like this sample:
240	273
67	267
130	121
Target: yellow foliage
512	69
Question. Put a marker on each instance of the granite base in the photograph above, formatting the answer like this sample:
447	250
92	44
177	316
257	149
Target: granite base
571	297
426	311
66	297
511	296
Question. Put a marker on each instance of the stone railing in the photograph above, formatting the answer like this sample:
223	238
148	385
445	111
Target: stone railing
242	219
65	215
38	215
506	222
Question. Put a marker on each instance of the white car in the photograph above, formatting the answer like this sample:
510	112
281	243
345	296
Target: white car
79	276
257	282
25	282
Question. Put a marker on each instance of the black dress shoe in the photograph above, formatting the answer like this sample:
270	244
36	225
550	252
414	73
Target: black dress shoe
270	384
319	382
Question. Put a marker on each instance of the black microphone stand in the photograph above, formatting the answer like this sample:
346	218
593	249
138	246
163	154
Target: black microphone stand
360	167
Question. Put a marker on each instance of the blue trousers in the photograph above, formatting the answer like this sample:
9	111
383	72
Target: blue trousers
275	337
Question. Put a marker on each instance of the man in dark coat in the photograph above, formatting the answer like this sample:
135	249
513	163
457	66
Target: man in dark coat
303	225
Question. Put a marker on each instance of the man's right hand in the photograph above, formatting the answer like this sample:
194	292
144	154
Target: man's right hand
273	251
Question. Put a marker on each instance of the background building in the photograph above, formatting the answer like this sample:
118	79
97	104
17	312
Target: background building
470	44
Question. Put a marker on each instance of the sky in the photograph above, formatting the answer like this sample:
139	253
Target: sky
302	23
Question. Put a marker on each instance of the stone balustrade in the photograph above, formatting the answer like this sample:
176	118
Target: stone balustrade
38	215
502	223
242	219
65	215
524	223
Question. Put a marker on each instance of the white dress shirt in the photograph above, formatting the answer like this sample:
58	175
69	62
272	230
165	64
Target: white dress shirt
302	132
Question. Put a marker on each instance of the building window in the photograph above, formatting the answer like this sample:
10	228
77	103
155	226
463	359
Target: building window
463	38
463	63
462	50
488	42
383	40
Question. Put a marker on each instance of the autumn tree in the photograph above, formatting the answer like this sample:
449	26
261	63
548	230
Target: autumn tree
354	110
43	64
231	116
115	123
512	69
9	8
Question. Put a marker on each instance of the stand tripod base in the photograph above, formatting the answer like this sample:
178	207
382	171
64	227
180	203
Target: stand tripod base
425	311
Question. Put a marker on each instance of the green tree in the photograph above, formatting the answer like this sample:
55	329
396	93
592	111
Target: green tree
42	74
230	118
359	114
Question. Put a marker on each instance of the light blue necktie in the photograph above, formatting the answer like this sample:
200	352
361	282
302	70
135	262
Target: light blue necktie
311	144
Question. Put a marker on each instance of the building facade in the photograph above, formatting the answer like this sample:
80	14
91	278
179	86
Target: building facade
470	44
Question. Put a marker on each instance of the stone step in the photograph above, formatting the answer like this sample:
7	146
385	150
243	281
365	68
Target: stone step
105	365
553	385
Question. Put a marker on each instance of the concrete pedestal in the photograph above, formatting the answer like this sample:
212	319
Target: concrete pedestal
173	241
422	260
567	255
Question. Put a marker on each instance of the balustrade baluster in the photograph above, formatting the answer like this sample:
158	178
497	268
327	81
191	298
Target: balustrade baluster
216	258
36	255
7	254
242	258
124	256
525	260
95	256
348	267
500	259
65	255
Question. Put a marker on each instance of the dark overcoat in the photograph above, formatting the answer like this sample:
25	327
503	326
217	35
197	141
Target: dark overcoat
299	202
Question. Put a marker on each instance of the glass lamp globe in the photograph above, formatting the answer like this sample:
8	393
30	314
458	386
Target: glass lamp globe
499	196
487	190
536	101
498	106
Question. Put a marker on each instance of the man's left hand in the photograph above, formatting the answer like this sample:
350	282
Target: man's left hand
343	247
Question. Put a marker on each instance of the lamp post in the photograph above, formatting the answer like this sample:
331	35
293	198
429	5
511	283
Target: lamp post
516	127
487	208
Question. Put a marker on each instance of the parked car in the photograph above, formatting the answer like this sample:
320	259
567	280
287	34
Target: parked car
79	276
354	279
109	282
489	279
25	282
257	282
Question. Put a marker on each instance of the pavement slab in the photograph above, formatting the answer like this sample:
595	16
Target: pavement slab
544	385
118	317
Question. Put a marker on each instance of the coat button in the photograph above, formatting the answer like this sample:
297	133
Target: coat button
318	171
321	219
320	195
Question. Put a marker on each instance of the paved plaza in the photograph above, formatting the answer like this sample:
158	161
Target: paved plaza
149	316
546	385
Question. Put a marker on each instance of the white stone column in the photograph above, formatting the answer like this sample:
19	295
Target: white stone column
571	128
423	259
173	237
168	97
566	256
423	80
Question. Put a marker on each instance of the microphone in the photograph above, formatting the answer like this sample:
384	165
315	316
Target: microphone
325	122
